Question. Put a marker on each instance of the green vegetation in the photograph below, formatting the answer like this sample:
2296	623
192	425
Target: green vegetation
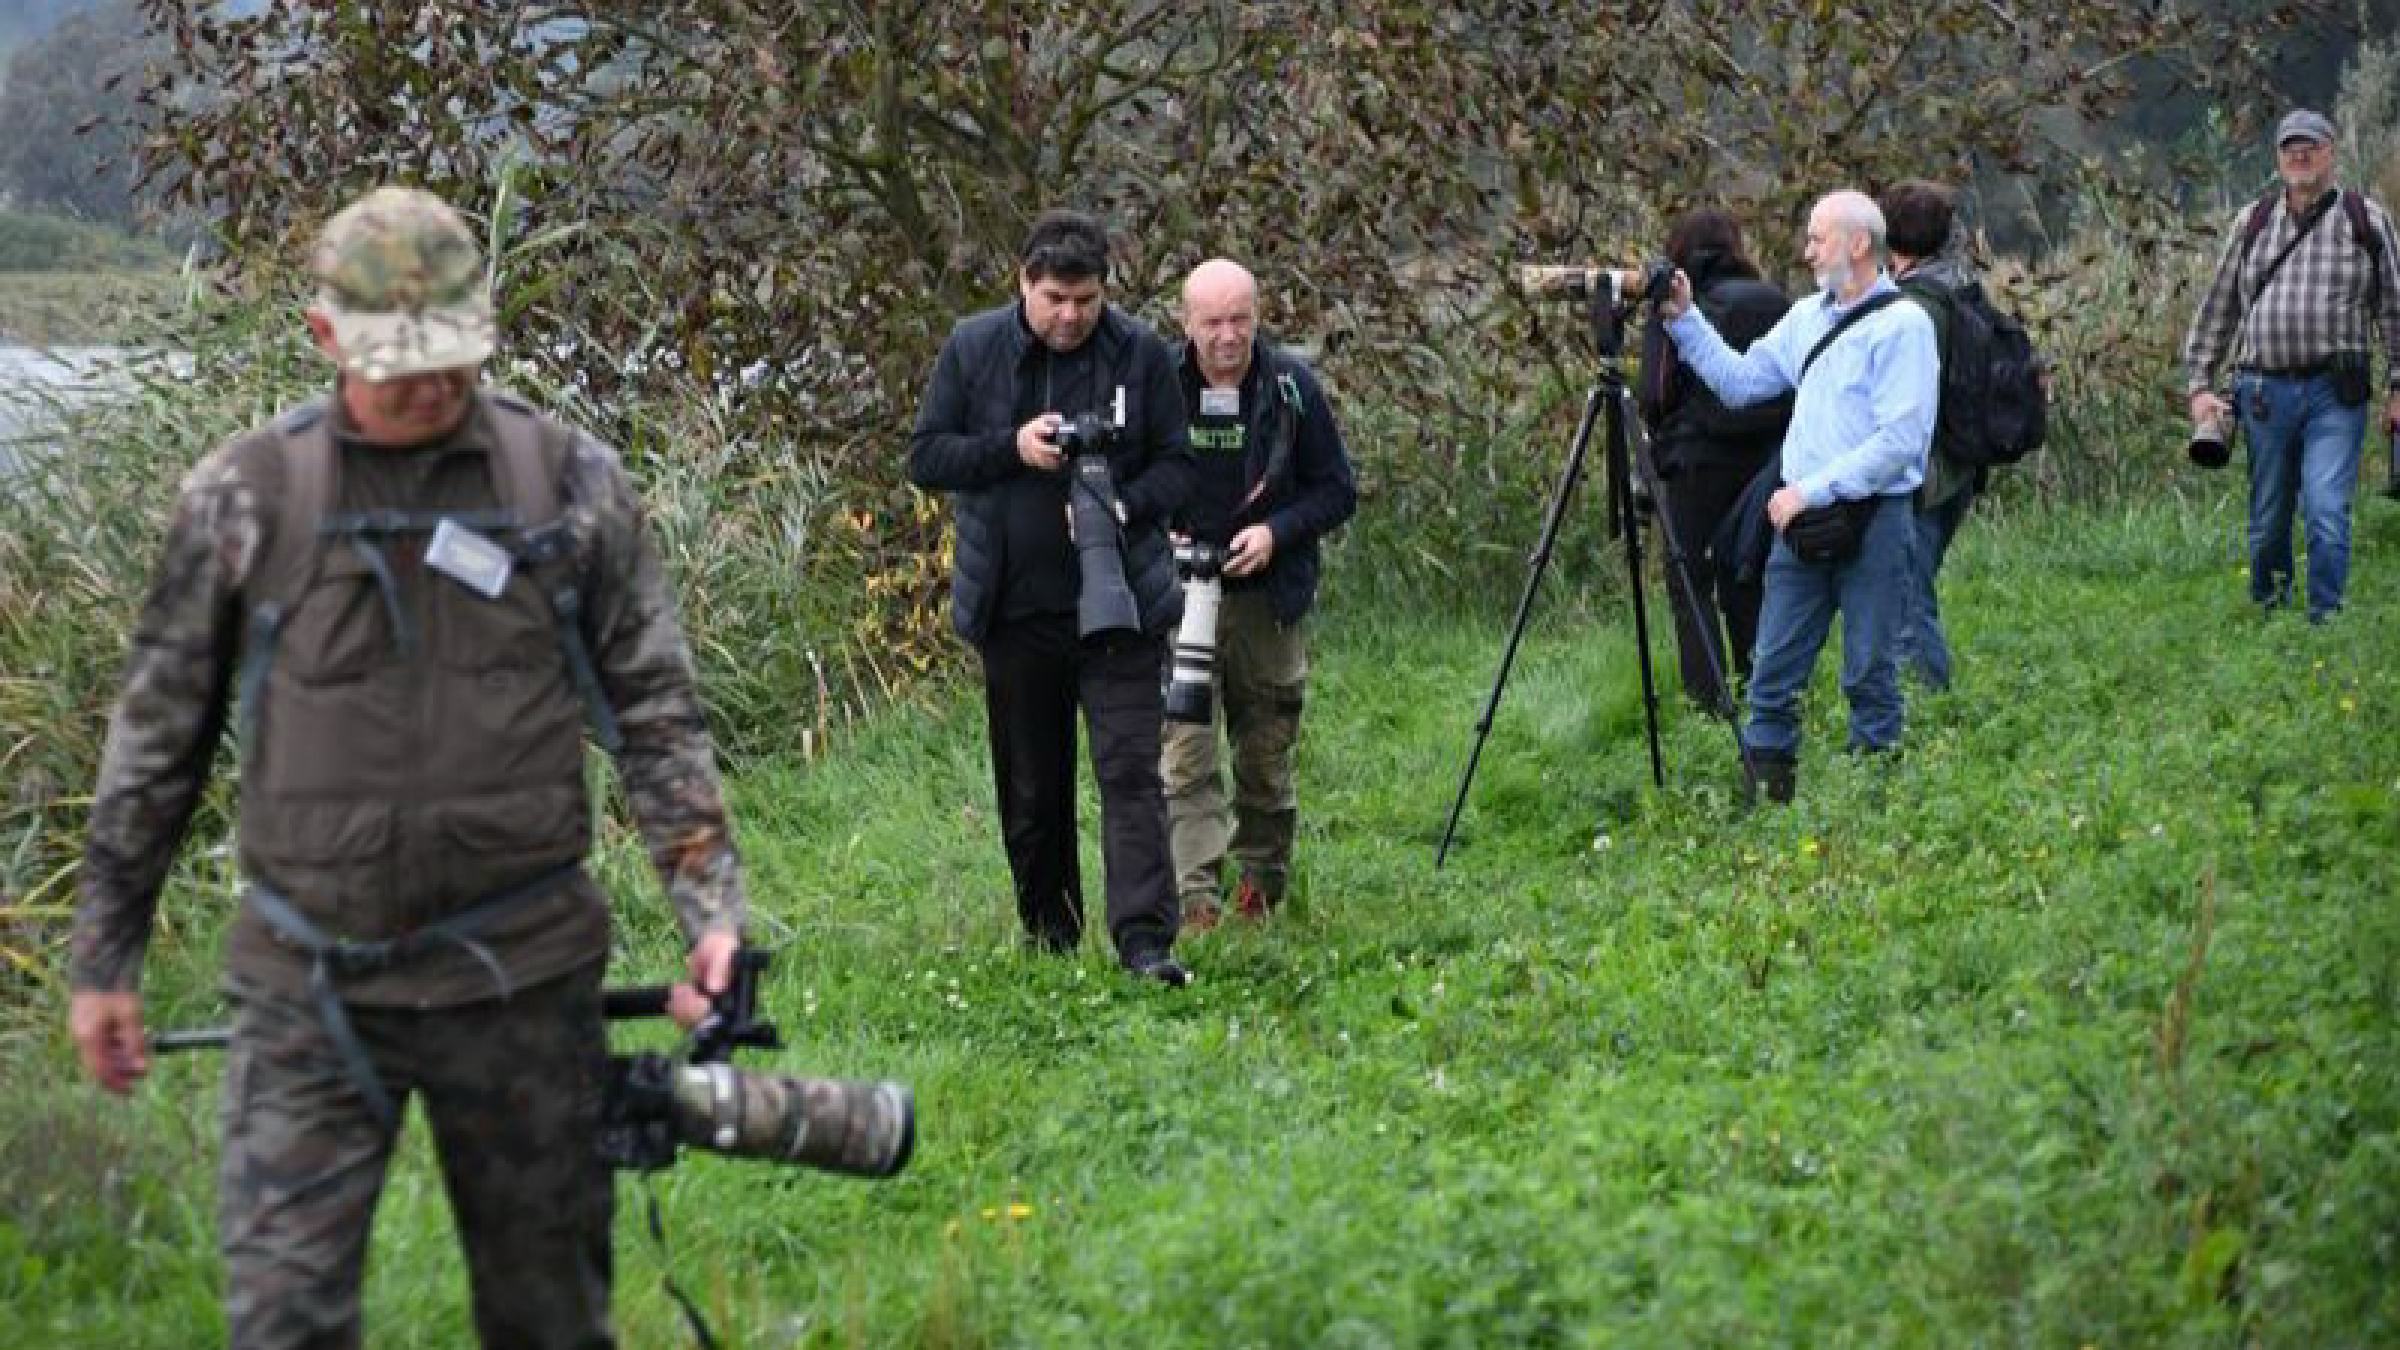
68	282
2077	1025
32	241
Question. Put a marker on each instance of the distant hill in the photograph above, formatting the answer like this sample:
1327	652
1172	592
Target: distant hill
23	20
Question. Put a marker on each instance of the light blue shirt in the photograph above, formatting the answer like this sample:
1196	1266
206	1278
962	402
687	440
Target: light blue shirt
1864	417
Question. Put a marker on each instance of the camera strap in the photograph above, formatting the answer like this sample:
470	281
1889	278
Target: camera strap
657	1224
1863	309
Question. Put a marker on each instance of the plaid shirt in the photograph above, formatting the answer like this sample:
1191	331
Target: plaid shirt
2319	302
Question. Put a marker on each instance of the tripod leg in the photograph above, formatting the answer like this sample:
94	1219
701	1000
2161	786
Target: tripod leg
1536	565
1679	572
1621	492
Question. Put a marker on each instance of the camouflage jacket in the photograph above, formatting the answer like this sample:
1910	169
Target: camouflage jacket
187	646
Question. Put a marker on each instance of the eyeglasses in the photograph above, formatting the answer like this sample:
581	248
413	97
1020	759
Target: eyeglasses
2302	149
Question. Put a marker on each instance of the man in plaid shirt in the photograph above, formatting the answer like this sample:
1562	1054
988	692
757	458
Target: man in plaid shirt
2303	277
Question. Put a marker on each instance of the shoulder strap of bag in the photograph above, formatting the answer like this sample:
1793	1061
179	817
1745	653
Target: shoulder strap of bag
2258	223
1865	308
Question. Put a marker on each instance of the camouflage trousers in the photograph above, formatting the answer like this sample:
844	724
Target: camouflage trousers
1262	681
511	1089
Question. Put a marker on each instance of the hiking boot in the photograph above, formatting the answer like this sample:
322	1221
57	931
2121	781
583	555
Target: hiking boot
1777	776
1200	916
1159	966
1251	901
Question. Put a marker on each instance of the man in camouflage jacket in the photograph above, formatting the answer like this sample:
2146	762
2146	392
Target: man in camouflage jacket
414	595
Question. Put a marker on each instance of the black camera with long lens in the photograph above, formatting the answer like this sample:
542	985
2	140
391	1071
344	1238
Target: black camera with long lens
1104	601
1194	666
654	1106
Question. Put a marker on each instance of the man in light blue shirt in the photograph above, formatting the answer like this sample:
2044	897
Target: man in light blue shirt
1860	429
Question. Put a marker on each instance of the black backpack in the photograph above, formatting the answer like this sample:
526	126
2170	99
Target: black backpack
1994	409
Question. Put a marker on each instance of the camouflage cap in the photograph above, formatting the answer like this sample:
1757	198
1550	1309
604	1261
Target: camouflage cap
401	279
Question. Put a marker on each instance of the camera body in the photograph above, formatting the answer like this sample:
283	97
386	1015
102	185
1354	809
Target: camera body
1196	561
1090	433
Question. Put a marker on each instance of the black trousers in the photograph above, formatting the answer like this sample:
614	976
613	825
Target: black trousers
1698	497
1036	673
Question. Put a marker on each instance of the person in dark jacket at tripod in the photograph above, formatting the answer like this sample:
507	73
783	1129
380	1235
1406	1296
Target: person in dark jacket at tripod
1707	453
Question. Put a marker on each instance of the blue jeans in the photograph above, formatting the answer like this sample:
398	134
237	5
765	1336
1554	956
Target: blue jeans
1924	650
2303	444
1870	591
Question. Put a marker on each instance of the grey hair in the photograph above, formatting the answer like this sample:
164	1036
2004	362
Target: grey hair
1855	210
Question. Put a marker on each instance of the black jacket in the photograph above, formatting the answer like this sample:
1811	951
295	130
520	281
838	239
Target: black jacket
965	444
1689	426
1293	455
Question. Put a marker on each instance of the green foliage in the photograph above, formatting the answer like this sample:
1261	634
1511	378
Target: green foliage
2076	1025
793	203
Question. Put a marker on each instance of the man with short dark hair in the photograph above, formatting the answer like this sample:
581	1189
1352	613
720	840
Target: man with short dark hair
2305	274
1274	478
1867	380
1929	263
987	434
416	592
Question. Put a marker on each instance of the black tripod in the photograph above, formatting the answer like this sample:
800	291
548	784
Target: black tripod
1633	492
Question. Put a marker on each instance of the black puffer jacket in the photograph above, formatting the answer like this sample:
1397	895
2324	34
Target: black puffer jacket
1689	426
965	444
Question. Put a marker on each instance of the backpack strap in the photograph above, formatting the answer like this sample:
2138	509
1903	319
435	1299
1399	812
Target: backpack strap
303	440
533	452
2362	233
1280	426
1865	307
1932	296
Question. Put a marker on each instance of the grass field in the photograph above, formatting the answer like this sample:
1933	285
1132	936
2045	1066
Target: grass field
2077	1025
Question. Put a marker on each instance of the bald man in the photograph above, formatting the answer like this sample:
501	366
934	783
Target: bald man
1868	376
1274	478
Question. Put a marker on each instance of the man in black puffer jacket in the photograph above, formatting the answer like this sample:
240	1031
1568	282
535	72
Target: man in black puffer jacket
986	434
1707	453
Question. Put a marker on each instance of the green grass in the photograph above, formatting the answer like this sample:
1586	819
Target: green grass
2078	1025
